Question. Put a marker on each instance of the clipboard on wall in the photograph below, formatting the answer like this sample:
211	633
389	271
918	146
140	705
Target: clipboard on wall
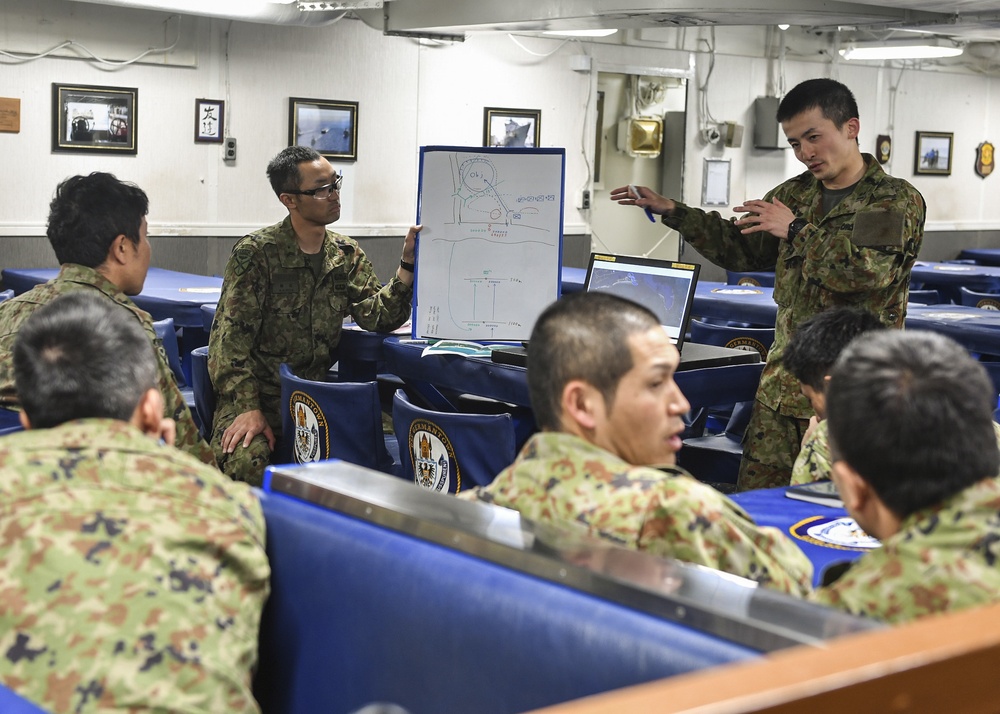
489	254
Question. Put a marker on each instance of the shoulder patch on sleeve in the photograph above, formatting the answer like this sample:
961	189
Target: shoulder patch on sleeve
877	228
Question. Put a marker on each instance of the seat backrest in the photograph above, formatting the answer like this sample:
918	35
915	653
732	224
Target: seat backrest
451	451
204	394
756	339
10	421
924	297
6	295
168	336
984	301
326	420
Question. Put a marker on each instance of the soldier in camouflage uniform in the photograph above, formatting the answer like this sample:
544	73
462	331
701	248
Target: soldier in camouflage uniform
285	293
915	459
601	383
133	575
842	233
97	228
809	356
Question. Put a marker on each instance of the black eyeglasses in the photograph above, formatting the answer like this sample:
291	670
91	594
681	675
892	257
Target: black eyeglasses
323	192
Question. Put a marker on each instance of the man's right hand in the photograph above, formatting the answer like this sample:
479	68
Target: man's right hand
244	428
648	198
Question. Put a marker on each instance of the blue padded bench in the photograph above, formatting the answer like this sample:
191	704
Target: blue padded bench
360	612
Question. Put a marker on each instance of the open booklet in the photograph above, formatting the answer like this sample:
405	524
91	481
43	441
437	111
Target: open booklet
465	348
823	493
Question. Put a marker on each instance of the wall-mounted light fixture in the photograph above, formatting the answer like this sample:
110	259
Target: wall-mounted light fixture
910	48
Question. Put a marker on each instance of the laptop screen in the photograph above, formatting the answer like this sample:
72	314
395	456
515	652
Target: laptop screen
665	287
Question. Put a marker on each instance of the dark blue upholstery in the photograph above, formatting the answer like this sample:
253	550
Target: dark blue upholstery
715	458
204	395
360	613
985	301
349	424
482	445
168	336
924	297
759	339
10	420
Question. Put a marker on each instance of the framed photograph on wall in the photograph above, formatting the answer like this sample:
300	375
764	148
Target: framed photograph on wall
512	127
209	120
933	153
329	127
95	119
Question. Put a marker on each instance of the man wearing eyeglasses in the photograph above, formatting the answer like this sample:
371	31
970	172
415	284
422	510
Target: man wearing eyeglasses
285	293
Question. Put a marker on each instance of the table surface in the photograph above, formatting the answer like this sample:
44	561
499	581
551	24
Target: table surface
770	507
978	330
974	277
166	293
741	303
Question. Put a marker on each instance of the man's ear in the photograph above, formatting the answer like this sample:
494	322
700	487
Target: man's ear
287	200
118	252
853	128
854	491
580	404
25	421
149	412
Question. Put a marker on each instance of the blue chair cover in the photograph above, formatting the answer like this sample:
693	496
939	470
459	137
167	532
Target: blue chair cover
925	297
985	301
168	336
452	451
758	339
327	420
6	295
204	395
10	421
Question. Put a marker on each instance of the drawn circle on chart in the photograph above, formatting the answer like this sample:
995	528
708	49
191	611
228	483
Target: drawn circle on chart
495	214
478	175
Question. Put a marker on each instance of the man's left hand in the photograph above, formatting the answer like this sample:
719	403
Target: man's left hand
770	216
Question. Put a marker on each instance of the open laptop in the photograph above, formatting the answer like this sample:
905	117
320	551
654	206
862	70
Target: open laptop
666	287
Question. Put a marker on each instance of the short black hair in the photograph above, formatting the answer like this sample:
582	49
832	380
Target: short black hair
87	213
911	412
82	356
283	171
817	342
582	336
835	101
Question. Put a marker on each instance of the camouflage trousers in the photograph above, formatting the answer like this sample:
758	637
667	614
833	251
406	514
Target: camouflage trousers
770	444
245	463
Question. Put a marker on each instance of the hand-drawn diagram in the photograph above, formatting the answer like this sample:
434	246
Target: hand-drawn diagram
490	250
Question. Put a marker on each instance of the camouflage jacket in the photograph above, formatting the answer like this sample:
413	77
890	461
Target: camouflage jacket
273	310
73	277
133	575
814	462
860	254
560	478
943	558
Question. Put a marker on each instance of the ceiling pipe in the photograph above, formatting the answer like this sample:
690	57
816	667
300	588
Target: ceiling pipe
268	13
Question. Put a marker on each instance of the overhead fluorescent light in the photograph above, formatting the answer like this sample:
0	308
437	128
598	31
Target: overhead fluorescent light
930	48
309	6
604	32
